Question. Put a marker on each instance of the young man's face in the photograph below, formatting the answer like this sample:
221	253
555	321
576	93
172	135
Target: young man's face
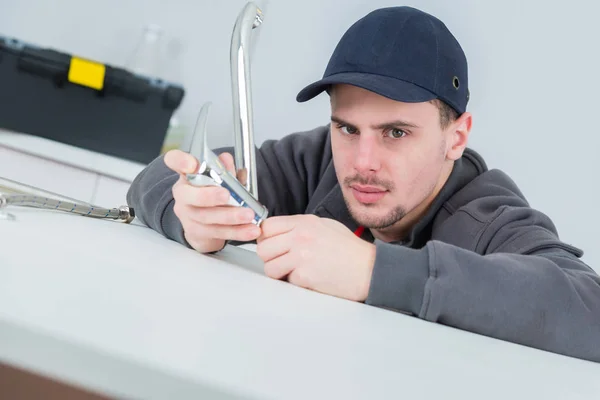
391	158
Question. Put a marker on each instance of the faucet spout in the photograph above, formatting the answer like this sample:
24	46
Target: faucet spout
250	18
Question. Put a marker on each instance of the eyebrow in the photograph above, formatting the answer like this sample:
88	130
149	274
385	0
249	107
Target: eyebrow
386	125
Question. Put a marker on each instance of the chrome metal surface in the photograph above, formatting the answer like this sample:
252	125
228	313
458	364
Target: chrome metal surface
250	18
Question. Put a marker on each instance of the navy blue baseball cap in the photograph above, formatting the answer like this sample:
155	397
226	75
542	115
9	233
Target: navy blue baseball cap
401	53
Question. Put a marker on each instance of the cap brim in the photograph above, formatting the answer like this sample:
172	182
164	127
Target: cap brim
392	88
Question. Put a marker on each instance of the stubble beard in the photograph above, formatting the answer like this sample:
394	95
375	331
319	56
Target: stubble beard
370	221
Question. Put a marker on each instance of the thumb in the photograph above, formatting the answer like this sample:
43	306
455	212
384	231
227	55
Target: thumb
181	162
227	160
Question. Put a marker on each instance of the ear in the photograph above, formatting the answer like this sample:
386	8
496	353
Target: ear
458	133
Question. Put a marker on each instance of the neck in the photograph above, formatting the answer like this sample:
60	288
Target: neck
401	229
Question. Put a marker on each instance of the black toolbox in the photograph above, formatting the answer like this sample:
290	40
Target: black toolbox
84	103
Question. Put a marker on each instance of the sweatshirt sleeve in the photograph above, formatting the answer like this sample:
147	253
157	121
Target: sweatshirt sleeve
527	288
288	171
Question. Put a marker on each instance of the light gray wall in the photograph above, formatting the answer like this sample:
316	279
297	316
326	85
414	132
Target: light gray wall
533	76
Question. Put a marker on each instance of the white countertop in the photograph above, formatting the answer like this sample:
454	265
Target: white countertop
120	309
71	155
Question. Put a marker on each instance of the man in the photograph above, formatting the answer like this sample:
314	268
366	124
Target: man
387	205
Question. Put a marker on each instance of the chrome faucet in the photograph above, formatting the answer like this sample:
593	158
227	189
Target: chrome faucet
245	161
243	187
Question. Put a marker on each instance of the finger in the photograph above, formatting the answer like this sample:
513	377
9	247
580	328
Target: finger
242	233
203	245
180	162
273	247
280	267
300	277
227	160
274	226
240	175
223	215
200	196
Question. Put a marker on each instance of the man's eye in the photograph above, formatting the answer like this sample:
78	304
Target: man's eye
348	130
396	133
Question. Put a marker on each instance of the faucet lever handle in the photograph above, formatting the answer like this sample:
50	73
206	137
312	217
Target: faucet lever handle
212	172
198	143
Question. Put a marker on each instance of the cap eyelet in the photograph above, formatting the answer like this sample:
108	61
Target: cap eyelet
455	82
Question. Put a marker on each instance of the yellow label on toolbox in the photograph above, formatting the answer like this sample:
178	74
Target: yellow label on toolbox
87	73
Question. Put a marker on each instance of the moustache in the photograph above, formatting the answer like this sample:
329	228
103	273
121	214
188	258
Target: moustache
372	181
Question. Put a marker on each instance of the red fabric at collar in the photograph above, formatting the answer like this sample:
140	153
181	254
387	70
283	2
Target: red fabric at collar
359	231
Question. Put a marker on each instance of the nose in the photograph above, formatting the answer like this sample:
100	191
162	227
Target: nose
368	155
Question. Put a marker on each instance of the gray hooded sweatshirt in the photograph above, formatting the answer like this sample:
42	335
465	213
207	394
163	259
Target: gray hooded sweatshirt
480	260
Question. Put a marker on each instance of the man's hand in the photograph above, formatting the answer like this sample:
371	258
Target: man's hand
205	214
318	254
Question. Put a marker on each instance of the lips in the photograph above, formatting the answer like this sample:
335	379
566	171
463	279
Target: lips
368	189
368	194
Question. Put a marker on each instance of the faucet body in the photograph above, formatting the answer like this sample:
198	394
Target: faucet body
243	184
